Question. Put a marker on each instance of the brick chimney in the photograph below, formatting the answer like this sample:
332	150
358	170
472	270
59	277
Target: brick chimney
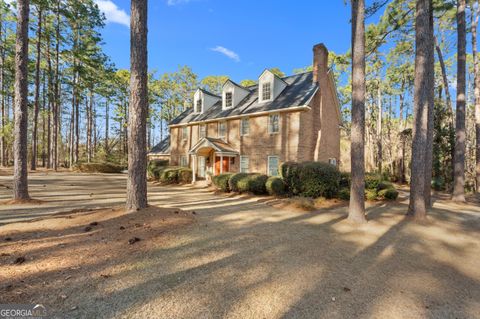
320	61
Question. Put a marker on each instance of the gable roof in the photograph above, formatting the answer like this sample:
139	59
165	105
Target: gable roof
162	148
208	93
299	92
219	145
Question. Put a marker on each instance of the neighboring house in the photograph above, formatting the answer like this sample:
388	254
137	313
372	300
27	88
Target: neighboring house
161	151
256	128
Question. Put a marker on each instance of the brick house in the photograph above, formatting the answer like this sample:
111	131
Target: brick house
254	129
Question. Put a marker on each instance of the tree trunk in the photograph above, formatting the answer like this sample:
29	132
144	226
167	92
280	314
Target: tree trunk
50	106
107	127
379	131
357	194
20	173
459	158
422	87
2	93
138	108
476	84
33	165
57	89
431	105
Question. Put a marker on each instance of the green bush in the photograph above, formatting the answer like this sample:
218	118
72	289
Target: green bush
371	194
221	182
253	183
175	175
372	181
155	168
345	180
388	193
107	168
291	176
384	185
344	193
275	186
234	179
184	175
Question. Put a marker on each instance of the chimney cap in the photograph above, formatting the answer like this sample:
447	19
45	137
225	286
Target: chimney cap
320	46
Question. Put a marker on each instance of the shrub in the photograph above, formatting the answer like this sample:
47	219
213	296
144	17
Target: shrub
388	193
234	179
345	180
371	194
221	182
184	175
253	183
275	186
175	175
155	168
107	168
372	181
291	177
384	185
344	193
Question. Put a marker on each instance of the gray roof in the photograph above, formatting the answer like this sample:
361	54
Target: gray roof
299	91
162	148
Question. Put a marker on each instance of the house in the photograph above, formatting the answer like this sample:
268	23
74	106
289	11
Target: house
256	128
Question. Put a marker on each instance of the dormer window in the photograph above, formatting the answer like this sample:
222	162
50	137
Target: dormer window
266	91
198	106
228	99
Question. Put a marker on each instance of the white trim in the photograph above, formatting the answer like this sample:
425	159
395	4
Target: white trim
241	126
240	163
218	129
286	110
268	124
260	92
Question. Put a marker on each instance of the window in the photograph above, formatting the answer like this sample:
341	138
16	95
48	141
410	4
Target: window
198	106
183	161
274	123
184	133
332	161
244	164
232	160
228	99
202	131
273	165
245	126
266	91
222	129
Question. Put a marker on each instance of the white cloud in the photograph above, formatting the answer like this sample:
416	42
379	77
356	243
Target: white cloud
175	2
113	13
229	53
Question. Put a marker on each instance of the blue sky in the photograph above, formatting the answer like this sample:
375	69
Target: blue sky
234	38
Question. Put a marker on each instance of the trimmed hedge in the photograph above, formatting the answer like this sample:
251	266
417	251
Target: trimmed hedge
311	179
107	168
221	182
384	185
344	193
275	186
372	181
155	168
234	179
253	183
345	180
176	175
371	194
388	193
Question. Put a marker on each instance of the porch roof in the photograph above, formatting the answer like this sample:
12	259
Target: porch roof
218	145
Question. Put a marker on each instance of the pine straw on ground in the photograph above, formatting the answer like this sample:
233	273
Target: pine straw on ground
78	249
30	201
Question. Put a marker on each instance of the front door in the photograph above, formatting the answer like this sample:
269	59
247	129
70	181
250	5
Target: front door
201	166
225	165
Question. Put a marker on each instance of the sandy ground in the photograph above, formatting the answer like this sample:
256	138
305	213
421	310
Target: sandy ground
239	257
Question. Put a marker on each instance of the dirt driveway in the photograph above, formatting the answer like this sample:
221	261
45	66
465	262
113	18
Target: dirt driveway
238	257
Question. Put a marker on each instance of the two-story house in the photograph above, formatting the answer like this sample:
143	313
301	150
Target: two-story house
256	128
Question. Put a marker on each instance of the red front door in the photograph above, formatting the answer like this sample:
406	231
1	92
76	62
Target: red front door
225	165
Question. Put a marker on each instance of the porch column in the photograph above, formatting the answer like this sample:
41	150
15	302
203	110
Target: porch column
194	169
221	164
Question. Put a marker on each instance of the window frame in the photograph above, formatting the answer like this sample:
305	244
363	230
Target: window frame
184	133
200	131
241	168
269	91
247	119
198	108
268	165
333	161
270	125
183	157
218	129
228	93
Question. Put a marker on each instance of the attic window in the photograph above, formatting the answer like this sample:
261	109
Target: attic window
228	99
266	91
198	106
